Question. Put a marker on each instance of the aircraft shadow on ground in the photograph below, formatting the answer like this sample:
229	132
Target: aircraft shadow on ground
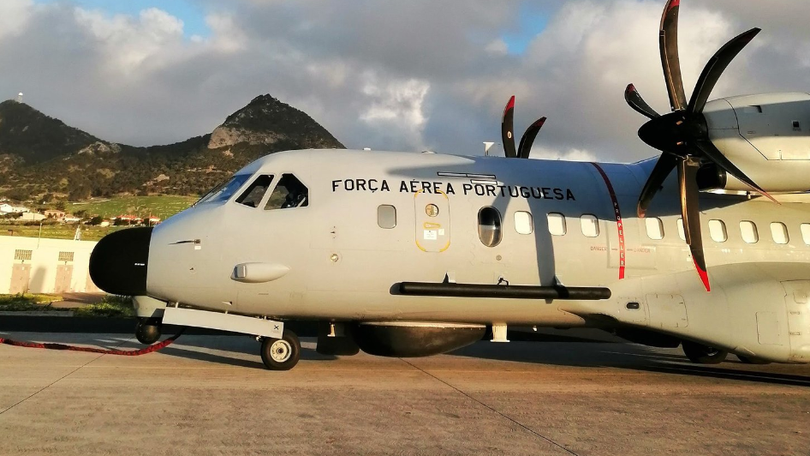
250	349
624	356
233	344
536	348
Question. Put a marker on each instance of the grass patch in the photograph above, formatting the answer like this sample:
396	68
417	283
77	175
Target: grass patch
28	302
57	231
142	206
110	306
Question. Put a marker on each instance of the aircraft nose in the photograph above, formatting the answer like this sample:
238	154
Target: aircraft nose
118	262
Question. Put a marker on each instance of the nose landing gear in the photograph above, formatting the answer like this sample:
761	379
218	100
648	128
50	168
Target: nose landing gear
281	354
148	330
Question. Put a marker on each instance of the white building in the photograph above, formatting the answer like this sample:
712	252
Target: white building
44	265
6	208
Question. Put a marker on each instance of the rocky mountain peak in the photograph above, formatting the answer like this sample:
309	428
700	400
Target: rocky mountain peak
41	156
267	121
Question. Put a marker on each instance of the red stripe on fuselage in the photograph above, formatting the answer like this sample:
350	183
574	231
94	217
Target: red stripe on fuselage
619	223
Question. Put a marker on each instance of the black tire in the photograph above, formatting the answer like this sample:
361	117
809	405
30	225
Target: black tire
281	354
148	330
702	354
752	360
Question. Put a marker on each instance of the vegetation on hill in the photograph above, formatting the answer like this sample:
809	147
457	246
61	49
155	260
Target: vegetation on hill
43	160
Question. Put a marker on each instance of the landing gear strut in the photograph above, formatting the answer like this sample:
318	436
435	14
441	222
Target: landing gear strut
281	354
148	330
703	354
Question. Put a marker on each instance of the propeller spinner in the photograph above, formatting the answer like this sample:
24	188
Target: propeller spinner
508	136
683	135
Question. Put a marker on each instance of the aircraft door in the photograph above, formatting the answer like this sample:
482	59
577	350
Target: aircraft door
432	218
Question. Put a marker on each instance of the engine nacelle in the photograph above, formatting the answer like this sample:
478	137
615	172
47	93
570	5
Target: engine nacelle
412	339
767	136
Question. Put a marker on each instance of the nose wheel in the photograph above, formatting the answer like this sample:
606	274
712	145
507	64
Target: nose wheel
148	330
281	354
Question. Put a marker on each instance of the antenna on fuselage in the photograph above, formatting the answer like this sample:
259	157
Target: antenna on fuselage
487	145
19	97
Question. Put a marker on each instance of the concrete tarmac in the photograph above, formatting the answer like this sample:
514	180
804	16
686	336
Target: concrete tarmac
208	395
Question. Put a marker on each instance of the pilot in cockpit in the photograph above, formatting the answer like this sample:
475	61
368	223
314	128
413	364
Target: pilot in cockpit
296	192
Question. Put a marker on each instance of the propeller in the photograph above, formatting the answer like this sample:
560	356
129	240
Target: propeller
683	135
508	137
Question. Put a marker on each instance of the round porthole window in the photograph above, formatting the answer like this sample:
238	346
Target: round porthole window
432	210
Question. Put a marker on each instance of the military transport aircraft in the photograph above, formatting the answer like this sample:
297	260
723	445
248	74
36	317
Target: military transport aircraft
413	254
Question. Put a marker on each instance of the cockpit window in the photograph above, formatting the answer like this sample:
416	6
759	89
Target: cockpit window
254	194
289	192
225	191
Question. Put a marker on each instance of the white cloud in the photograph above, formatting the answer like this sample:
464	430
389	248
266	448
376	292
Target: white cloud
396	104
227	35
14	17
128	43
570	154
497	47
416	80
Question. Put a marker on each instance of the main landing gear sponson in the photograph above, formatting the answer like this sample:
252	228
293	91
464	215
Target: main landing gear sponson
148	330
281	354
701	354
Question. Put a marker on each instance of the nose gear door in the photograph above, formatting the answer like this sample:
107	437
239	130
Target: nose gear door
432	230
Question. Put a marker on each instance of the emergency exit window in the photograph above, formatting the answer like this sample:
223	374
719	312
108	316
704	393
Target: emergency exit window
524	223
387	216
681	232
556	224
780	233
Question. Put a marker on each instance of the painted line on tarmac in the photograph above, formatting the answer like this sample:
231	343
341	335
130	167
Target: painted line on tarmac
492	409
58	380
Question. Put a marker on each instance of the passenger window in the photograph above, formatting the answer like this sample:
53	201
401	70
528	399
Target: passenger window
748	230
524	222
779	233
254	194
717	230
489	226
681	233
289	192
655	228
806	233
556	224
386	216
589	225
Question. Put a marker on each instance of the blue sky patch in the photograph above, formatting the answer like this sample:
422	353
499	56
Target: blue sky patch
191	14
531	21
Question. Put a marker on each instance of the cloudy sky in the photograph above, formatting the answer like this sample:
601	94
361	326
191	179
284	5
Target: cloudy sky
397	75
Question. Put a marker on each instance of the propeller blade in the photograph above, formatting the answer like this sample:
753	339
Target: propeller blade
665	164
715	67
507	129
527	139
711	152
633	98
690	211
668	45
